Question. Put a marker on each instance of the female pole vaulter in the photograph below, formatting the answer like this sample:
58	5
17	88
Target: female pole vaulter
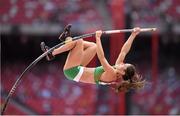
121	76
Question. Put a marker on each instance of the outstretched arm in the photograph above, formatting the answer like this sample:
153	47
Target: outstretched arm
100	52
126	47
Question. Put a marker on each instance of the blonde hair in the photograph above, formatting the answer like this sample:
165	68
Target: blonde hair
126	85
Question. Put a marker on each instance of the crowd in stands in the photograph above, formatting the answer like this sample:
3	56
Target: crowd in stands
46	91
81	13
154	12
160	97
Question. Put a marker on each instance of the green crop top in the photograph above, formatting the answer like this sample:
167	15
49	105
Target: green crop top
97	73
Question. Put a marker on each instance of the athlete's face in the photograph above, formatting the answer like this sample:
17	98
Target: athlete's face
120	69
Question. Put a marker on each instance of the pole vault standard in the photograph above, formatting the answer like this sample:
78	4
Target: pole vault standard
57	46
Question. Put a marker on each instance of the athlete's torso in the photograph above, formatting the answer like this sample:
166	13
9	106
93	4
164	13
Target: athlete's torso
105	76
88	75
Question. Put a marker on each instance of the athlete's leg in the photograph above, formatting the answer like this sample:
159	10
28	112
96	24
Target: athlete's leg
64	48
81	54
75	55
89	52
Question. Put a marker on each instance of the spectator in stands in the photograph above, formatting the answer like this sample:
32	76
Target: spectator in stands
121	76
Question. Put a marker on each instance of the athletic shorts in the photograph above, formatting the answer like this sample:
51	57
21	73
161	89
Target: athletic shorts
74	73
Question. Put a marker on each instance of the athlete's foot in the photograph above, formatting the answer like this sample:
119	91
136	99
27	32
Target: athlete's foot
45	48
66	33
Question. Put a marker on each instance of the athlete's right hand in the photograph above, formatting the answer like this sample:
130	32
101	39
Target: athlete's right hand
98	34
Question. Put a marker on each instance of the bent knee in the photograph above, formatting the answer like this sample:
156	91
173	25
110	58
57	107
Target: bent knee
79	41
94	46
91	44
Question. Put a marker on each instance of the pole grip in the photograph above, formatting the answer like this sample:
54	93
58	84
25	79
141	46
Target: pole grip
113	31
128	30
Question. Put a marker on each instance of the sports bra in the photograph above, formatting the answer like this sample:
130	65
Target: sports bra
97	73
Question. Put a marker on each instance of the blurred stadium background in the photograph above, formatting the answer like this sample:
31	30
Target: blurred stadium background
45	90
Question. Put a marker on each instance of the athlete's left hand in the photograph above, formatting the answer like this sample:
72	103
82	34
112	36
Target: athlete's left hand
98	34
136	30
